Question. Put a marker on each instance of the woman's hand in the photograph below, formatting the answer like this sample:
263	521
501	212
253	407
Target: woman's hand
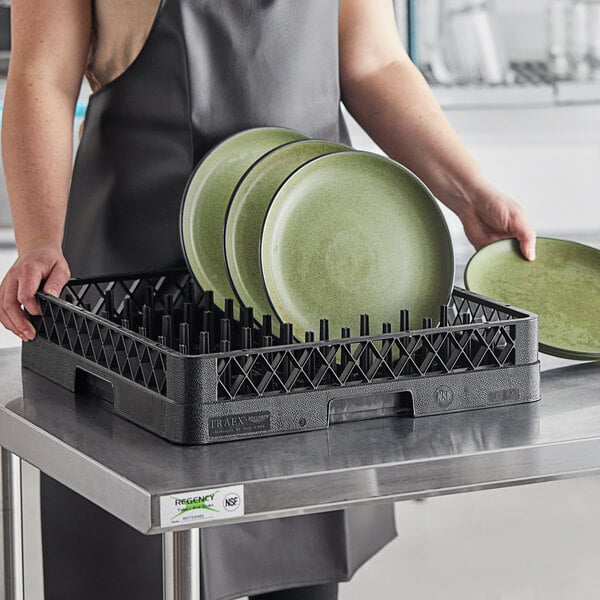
493	216
22	282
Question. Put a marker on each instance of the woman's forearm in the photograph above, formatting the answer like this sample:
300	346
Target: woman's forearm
37	142
395	106
389	97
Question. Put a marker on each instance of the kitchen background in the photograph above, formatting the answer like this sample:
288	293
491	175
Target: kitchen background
520	82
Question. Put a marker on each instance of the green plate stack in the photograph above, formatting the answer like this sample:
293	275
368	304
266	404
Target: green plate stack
304	230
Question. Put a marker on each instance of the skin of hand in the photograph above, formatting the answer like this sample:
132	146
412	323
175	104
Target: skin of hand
21	283
494	217
50	43
391	100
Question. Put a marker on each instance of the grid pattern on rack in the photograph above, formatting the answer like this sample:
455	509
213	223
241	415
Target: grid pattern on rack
480	334
487	341
80	330
91	291
104	344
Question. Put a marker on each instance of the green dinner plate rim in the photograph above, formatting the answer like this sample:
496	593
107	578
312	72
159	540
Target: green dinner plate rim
543	347
380	157
239	183
562	353
515	242
190	180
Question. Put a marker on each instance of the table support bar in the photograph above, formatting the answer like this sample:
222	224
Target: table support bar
181	565
12	527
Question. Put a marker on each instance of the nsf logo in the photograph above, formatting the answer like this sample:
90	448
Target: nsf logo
444	396
232	502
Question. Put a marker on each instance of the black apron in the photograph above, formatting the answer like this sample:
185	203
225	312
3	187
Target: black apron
209	68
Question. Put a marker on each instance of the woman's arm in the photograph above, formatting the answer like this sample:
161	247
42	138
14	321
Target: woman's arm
389	97
50	41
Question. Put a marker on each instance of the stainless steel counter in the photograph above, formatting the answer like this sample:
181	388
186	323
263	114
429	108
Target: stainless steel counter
126	470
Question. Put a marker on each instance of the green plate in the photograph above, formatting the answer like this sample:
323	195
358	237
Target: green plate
205	200
247	210
352	233
562	286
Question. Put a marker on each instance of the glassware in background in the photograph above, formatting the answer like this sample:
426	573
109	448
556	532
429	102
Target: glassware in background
594	32
579	40
510	52
574	31
436	48
468	48
559	14
493	63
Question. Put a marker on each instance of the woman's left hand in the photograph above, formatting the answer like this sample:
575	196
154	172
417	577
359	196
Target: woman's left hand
492	216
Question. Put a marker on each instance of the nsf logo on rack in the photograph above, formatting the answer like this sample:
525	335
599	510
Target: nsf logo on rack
444	396
203	505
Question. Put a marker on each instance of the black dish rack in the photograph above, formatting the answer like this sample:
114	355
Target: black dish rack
161	354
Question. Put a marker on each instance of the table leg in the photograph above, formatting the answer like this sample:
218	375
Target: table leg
12	527
181	565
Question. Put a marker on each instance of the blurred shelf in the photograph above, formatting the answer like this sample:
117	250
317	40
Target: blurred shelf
500	96
575	92
533	85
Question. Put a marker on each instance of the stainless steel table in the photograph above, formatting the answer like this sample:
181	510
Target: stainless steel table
127	471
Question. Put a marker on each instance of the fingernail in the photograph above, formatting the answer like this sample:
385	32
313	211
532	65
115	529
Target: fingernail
52	292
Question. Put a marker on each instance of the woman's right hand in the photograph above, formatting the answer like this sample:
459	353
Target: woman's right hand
22	282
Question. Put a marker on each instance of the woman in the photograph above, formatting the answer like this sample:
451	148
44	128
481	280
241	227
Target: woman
172	79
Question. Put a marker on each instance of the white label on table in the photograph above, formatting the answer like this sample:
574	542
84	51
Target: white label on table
203	505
